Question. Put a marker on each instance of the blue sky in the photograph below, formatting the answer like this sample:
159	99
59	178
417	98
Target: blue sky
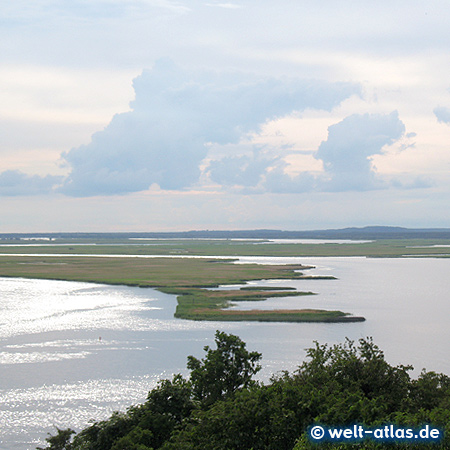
147	115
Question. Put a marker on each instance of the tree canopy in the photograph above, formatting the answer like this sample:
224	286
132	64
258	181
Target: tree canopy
224	370
221	407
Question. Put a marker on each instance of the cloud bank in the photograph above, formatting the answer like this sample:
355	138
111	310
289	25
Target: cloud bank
176	114
442	114
350	144
15	183
346	157
178	118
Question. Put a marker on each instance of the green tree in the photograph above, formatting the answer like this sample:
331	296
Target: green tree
355	382
221	408
137	439
147	426
102	435
61	441
166	407
224	370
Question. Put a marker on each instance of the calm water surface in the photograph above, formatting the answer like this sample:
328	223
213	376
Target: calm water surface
72	352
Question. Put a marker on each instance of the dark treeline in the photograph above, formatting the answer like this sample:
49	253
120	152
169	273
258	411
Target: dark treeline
221	407
371	232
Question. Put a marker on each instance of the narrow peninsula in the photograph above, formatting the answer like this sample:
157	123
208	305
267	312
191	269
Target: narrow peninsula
191	280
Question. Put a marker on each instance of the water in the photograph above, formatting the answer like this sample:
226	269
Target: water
74	352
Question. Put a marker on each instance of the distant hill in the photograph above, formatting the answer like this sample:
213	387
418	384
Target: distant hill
365	233
379	232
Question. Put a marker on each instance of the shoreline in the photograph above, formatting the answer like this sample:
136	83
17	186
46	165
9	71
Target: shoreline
188	279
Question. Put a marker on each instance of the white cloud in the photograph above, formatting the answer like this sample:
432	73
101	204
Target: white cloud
345	157
14	183
176	113
442	114
350	144
225	5
238	171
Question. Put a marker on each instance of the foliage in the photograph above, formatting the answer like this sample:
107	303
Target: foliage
224	370
61	441
221	407
146	426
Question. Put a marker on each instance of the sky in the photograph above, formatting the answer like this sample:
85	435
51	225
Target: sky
160	115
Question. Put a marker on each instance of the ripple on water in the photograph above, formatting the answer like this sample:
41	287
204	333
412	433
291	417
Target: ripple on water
30	411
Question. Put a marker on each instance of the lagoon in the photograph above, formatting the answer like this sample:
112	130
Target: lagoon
71	352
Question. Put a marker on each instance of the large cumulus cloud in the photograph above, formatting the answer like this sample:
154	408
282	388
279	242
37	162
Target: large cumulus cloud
350	144
442	114
345	155
175	115
16	183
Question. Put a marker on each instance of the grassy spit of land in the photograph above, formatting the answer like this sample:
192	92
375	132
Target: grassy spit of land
190	279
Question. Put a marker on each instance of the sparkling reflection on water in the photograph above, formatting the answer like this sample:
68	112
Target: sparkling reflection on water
74	352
